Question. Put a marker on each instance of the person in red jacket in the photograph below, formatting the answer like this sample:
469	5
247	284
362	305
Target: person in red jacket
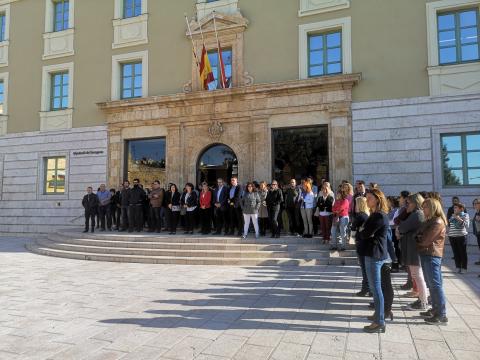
206	209
340	220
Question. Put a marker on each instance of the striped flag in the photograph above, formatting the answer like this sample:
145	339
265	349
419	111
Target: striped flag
206	73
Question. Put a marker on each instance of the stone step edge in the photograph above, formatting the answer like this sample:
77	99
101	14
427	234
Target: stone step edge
33	247
195	238
174	252
54	237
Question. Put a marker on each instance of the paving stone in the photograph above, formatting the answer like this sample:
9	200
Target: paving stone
188	348
97	310
253	352
290	351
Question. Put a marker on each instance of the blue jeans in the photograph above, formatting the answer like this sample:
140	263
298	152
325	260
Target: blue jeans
339	232
374	275
432	272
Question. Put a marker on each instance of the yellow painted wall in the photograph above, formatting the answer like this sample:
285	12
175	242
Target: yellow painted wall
388	46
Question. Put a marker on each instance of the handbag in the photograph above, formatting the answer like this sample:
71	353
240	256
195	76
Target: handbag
183	211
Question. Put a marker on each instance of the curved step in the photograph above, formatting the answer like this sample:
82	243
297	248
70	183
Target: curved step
58	245
196	238
39	249
182	245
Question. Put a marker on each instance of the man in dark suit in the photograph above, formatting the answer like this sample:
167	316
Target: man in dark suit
235	217
90	203
220	197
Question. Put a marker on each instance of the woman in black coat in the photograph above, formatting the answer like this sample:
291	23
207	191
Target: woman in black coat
189	202
172	200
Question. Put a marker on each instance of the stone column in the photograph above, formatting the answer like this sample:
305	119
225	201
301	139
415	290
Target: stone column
262	157
340	147
174	154
114	174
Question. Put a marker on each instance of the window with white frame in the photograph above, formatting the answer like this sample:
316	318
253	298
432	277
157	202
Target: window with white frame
130	75
458	36
4	33
325	48
461	159
3	93
57	87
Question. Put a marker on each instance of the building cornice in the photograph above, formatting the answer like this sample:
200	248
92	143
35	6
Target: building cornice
320	84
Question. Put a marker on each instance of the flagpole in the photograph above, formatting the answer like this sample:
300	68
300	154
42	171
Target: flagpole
218	50
191	38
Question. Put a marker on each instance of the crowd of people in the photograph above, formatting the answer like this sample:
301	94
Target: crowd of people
391	234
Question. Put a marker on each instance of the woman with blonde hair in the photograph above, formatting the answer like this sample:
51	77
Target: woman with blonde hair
263	212
430	245
307	204
408	230
372	240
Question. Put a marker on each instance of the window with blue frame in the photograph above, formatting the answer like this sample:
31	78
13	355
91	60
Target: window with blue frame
132	8
59	91
61	8
325	53
3	19
2	96
458	36
461	159
131	80
214	62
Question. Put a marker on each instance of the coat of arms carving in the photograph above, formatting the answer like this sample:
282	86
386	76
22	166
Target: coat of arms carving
215	130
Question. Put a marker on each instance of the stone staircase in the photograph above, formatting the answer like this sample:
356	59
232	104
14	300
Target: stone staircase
190	249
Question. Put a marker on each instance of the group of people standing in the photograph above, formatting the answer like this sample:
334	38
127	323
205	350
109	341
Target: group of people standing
406	232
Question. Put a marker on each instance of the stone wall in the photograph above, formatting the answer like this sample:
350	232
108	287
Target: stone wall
396	143
23	206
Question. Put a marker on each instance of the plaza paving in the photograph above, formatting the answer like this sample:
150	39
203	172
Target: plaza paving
53	308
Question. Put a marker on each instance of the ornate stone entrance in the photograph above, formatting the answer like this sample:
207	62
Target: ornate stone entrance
242	118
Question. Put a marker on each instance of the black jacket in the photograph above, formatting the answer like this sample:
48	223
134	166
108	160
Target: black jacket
191	201
223	200
235	200
274	198
124	197
90	202
372	238
173	200
358	220
325	204
136	196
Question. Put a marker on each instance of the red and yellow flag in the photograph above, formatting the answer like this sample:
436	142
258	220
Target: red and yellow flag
206	73
223	78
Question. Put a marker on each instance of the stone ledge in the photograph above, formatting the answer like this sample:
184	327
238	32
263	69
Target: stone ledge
327	83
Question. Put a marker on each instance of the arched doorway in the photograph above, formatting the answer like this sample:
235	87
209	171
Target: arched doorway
216	161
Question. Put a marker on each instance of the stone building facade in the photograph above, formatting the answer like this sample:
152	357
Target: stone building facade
244	118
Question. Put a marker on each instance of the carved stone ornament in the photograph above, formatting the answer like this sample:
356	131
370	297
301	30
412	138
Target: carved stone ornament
187	87
248	79
215	130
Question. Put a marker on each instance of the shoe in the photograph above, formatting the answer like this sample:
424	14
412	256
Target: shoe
243	236
388	314
109	229
371	305
257	236
437	320
427	314
102	229
342	249
406	286
93	230
333	248
362	293
417	305
85	231
464	271
277	236
374	328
